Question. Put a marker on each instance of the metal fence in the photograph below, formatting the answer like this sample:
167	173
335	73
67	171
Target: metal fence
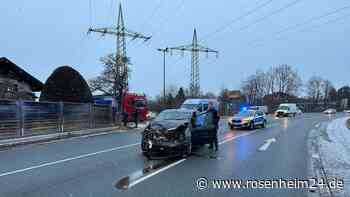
27	118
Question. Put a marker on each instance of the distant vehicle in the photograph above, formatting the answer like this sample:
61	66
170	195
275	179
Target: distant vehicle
133	101
286	109
199	104
347	111
248	119
330	111
299	112
173	134
263	108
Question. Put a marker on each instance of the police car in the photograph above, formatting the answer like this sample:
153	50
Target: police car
249	119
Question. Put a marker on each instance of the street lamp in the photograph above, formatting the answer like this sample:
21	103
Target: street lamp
164	51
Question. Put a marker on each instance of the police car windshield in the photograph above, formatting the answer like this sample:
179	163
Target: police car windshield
174	115
247	113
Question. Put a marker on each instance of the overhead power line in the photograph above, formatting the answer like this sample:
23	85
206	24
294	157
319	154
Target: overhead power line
310	20
237	19
308	27
274	12
277	11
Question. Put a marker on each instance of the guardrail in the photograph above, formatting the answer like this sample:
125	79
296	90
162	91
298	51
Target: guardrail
27	118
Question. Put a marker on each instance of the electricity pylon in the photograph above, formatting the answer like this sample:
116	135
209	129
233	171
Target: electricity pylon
195	48
121	59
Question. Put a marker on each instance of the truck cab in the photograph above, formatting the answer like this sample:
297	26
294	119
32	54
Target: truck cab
133	102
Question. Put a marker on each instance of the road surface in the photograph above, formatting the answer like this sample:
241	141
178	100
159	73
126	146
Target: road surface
112	165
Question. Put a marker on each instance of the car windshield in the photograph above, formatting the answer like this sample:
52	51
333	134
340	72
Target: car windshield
191	106
174	115
248	113
283	108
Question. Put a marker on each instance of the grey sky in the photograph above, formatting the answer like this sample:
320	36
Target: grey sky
42	35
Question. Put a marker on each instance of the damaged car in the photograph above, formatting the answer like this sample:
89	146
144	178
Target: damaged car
169	135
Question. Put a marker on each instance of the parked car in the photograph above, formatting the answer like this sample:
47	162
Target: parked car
286	109
248	119
173	133
330	111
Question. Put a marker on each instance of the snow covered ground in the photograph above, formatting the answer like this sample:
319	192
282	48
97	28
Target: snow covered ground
334	151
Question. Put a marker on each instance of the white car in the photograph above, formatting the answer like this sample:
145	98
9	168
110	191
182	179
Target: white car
330	111
286	109
347	111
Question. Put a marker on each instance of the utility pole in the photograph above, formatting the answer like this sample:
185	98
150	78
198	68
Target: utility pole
121	59
164	51
195	48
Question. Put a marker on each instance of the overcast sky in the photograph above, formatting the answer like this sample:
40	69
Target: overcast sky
41	35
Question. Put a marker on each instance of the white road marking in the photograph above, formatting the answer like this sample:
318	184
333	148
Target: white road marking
237	136
155	173
317	125
182	160
109	150
267	143
67	159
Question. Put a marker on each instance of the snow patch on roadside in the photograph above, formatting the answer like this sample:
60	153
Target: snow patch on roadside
334	149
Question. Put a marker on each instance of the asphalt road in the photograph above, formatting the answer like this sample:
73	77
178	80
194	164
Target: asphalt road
102	165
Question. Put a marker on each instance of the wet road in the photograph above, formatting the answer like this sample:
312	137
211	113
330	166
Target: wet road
112	165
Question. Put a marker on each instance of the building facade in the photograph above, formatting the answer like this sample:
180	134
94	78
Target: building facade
15	83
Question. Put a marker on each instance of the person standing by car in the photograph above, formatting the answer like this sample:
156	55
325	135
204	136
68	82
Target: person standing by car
212	120
136	117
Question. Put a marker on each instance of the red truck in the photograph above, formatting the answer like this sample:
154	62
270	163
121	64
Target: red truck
133	101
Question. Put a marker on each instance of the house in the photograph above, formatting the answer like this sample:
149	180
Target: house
15	83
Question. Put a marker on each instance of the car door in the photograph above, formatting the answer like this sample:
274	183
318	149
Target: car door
259	117
201	132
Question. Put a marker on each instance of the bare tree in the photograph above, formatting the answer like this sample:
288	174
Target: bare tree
287	80
112	80
315	87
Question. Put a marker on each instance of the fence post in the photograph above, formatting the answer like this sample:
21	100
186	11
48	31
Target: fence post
112	118
91	115
61	118
20	117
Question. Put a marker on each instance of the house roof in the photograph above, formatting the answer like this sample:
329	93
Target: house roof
7	66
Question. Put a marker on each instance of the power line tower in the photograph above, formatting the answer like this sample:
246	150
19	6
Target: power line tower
121	59
195	48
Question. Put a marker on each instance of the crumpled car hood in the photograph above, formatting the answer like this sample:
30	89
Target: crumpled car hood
166	124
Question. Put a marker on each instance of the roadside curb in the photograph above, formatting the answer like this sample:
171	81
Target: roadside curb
8	143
